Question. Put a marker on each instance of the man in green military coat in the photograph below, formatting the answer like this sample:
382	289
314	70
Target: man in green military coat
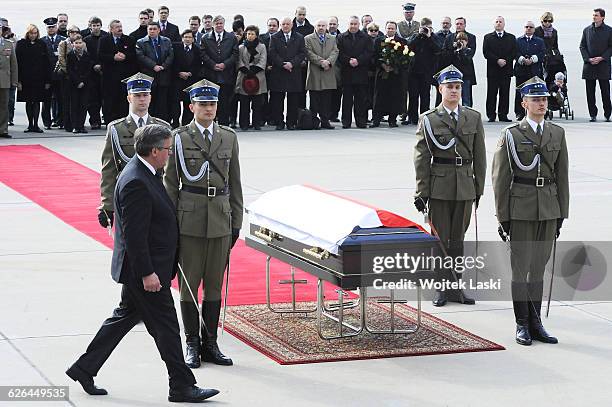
203	180
450	163
119	143
530	182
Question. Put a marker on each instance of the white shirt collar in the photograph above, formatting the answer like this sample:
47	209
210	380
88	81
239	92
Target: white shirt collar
135	117
500	33
202	128
534	125
149	166
449	111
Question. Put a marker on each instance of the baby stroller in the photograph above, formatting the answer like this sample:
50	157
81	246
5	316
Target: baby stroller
558	99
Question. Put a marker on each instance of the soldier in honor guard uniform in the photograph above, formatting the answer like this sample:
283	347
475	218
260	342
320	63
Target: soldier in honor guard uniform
119	144
450	163
203	180
530	182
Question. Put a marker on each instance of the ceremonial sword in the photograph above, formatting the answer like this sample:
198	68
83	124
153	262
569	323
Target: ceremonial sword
552	276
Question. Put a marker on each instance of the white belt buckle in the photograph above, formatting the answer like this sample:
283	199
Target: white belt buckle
459	161
212	192
539	182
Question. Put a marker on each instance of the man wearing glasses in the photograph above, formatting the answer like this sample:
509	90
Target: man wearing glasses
119	143
530	51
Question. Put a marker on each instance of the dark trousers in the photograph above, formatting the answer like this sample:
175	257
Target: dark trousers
498	86
32	112
156	310
234	108
519	111
320	103
4	113
266	116
114	104
354	95
419	96
277	101
248	102
160	103
302	99
466	93
66	91
604	87
78	106
226	92
11	106
336	102
52	111
94	102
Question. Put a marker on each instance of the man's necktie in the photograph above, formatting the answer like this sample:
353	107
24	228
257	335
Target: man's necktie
287	38
499	35
140	122
207	139
163	27
218	39
155	48
454	119
186	49
322	39
539	130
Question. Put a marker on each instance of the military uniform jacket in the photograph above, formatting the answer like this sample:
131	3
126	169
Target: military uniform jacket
517	201
450	182
198	214
115	160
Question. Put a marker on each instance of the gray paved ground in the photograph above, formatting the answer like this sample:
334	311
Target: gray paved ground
57	288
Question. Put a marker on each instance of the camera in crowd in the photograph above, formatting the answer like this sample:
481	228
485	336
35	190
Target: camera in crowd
425	31
460	41
7	33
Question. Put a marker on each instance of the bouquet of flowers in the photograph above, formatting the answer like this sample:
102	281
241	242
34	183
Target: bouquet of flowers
394	54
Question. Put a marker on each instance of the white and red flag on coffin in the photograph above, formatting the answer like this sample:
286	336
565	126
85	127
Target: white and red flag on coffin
318	218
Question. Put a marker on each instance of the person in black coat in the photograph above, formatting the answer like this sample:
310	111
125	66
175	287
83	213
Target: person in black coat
186	71
460	52
499	49
219	52
530	51
141	31
425	46
266	38
144	262
302	26
596	50
118	57
52	110
92	42
80	66
287	51
166	28
34	75
355	56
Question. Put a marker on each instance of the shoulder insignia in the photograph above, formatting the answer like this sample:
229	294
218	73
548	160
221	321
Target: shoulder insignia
226	128
510	126
117	121
471	109
160	121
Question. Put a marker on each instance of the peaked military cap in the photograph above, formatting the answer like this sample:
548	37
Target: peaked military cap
50	22
203	91
138	83
450	74
409	6
534	87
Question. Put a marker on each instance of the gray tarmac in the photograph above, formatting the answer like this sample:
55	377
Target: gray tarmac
58	288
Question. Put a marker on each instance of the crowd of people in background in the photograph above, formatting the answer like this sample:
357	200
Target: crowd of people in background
66	73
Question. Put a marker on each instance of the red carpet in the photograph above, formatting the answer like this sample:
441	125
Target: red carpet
71	192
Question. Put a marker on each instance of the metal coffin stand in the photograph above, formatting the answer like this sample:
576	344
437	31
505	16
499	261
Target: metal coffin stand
345	282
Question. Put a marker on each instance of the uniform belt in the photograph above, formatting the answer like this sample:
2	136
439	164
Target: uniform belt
211	192
538	182
458	161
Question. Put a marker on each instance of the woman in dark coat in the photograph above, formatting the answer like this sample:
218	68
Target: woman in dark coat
553	60
34	75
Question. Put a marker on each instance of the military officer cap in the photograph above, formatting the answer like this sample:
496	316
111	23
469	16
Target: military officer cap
203	91
138	83
409	6
534	87
50	22
450	74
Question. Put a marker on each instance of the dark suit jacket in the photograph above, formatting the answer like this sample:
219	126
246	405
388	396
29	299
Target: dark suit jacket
362	49
186	62
524	48
148	58
79	69
596	42
93	46
116	71
139	33
304	30
294	51
52	48
171	32
495	48
226	52
146	228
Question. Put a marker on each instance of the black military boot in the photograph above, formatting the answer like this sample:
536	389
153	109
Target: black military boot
536	329
439	299
521	313
191	322
210	350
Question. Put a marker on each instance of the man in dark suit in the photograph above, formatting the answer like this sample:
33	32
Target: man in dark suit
266	38
141	31
302	26
88	31
155	57
287	51
144	261
194	26
94	87
118	58
167	29
219	51
499	49
355	55
530	51
186	71
52	111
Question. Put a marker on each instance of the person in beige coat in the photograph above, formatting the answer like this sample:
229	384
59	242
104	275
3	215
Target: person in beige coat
8	79
251	85
322	53
531	186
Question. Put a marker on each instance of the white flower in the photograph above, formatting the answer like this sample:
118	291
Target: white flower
406	50
411	54
388	39
397	46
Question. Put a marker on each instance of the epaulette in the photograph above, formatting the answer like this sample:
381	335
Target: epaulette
160	121
554	124
508	127
429	111
471	109
228	128
116	121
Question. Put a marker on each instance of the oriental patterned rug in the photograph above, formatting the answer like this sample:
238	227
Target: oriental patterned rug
289	339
